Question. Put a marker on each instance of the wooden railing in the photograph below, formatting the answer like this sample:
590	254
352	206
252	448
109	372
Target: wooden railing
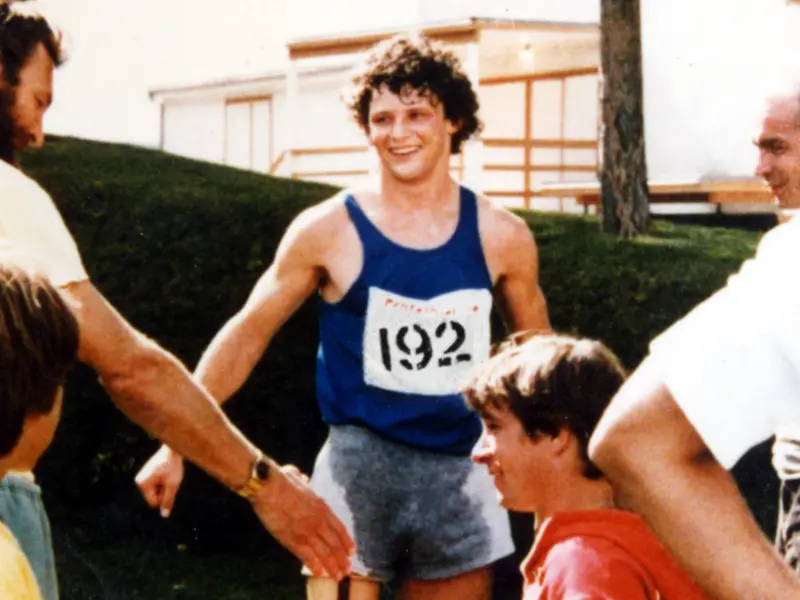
743	190
527	165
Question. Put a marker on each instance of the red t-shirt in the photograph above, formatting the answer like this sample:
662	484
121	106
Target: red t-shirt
603	554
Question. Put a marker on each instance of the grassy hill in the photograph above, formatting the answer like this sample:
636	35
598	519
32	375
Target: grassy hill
176	245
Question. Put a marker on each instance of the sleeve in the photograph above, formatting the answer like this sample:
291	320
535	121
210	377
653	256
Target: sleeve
34	229
16	576
732	365
597	570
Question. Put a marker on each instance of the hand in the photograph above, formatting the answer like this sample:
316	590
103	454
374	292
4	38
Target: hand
160	478
303	523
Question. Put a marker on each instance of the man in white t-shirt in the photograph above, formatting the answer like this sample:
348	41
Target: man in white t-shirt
147	383
716	383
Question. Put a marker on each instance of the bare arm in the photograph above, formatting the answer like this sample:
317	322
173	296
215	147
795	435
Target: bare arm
289	509
238	346
660	468
154	390
517	292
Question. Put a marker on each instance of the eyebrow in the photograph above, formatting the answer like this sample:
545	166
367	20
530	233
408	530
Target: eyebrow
769	143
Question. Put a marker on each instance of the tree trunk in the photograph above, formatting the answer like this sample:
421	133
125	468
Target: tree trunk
624	194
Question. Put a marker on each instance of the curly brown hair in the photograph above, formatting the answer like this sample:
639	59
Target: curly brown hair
413	63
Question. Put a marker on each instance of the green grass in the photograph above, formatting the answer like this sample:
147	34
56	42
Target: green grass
176	245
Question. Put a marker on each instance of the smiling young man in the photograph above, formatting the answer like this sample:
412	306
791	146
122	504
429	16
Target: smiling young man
539	401
407	273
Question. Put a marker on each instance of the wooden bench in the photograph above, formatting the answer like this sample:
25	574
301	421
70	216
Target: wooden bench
711	192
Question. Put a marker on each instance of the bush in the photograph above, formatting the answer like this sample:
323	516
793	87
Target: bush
177	245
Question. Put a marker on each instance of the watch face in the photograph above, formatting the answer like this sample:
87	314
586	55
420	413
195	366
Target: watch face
262	470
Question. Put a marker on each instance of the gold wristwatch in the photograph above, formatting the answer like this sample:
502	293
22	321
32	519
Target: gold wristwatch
258	477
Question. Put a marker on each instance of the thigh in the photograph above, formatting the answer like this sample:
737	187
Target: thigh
458	524
474	585
351	475
354	588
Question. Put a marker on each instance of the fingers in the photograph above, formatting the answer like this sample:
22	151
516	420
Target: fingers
150	490
304	524
168	492
334	547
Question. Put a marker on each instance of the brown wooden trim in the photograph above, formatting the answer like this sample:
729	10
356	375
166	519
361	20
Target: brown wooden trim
275	165
732	188
540	76
329	150
561	167
245	99
451	34
509	194
741	197
515	25
543	143
301	174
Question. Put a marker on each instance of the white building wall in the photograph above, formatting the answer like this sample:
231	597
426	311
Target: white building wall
195	130
707	67
581	11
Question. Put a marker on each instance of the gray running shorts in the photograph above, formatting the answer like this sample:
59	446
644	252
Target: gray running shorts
413	514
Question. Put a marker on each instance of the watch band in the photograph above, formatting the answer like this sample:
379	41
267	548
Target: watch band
258	477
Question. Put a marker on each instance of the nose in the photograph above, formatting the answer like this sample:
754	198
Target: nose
483	450
764	166
399	128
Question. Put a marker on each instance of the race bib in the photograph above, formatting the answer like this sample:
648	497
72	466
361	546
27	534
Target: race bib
425	346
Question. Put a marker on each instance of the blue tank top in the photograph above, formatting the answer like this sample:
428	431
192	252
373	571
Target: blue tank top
395	350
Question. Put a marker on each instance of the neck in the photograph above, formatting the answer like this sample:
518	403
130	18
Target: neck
434	189
572	494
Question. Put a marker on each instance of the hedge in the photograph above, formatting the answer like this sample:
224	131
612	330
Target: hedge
176	245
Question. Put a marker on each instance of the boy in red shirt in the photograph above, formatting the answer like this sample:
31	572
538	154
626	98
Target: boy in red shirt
539	401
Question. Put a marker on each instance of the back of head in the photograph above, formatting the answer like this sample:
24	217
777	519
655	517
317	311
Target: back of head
549	382
413	63
38	346
21	31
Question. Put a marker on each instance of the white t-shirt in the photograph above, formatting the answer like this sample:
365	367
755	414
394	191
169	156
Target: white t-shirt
32	232
733	363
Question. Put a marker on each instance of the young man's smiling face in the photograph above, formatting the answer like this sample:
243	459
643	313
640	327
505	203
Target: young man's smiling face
521	465
410	133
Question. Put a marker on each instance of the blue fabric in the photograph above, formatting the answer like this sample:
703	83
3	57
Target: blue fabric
22	510
436	422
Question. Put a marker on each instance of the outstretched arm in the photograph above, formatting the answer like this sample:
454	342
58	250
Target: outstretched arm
287	506
661	469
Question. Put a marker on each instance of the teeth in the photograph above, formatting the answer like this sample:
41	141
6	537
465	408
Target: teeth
404	151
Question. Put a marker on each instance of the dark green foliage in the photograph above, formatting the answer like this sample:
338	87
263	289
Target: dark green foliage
177	245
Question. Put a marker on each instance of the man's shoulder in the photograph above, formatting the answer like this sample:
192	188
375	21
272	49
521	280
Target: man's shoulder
498	220
319	224
14	180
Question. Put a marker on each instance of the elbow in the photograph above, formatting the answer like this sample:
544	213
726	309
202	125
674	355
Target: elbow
607	450
131	382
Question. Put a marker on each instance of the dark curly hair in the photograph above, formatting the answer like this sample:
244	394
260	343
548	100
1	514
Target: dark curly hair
407	64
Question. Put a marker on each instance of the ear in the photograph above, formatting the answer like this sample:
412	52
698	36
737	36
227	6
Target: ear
453	127
564	443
